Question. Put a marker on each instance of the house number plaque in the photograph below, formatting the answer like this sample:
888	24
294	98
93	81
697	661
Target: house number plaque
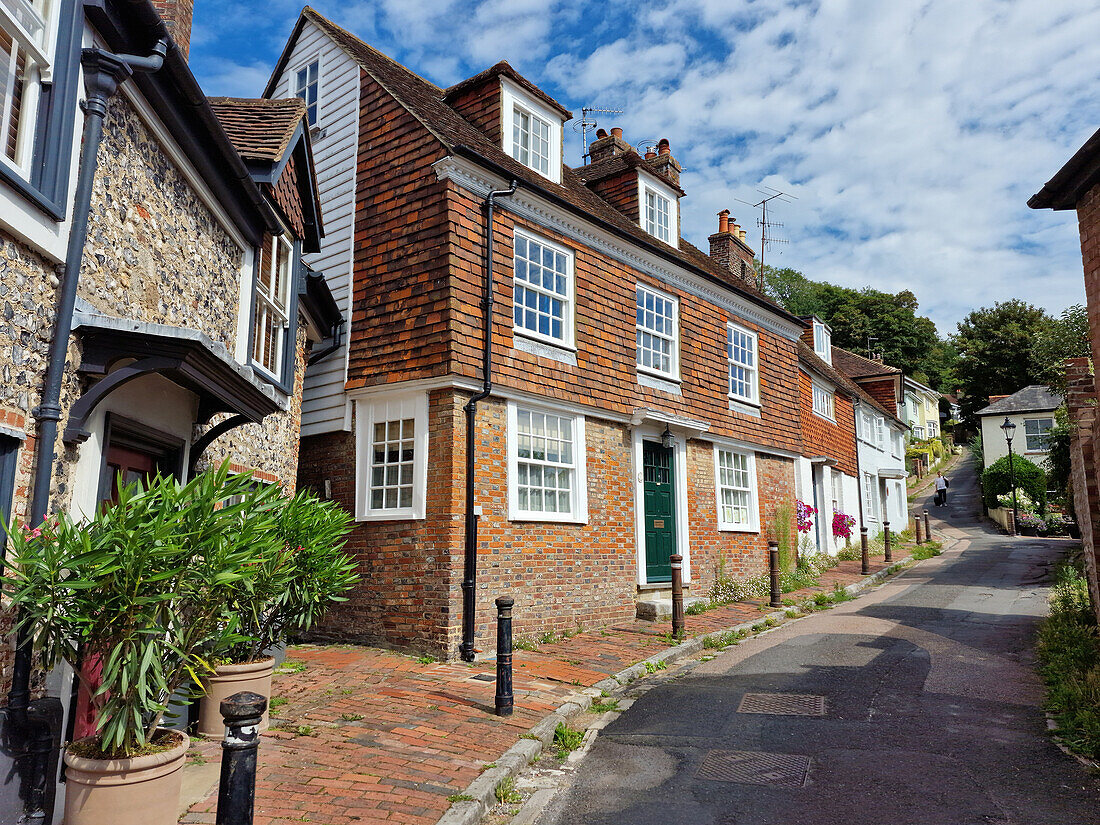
658	524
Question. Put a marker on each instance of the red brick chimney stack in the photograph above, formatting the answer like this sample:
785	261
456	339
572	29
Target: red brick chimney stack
608	146
177	15
665	164
728	249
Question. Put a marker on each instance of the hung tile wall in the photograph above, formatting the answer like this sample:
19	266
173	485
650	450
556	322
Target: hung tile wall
835	439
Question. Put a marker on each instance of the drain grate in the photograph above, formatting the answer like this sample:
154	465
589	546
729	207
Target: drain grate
787	704
787	770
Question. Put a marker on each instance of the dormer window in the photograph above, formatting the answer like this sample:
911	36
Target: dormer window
532	132
658	210
823	342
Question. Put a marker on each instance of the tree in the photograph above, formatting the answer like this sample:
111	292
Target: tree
994	345
905	339
1064	337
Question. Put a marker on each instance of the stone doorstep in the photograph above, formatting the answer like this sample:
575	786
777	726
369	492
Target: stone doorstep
656	609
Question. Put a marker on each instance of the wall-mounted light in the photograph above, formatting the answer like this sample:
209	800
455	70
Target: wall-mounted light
666	438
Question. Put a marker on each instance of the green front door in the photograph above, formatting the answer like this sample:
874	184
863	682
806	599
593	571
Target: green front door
660	511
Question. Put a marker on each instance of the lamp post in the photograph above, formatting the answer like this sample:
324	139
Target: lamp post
1009	430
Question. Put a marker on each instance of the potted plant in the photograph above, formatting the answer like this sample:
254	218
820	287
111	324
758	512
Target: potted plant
1031	524
299	572
134	601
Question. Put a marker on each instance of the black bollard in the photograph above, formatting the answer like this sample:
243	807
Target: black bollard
677	595
773	571
504	698
887	549
927	528
864	558
237	788
917	530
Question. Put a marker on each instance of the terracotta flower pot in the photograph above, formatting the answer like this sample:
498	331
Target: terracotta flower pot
227	680
141	790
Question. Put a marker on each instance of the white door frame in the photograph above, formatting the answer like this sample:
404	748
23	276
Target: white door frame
639	434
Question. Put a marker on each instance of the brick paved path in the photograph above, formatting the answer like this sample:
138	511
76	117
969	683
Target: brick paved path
384	738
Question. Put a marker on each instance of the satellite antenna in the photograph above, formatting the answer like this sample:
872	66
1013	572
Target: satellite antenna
768	236
587	122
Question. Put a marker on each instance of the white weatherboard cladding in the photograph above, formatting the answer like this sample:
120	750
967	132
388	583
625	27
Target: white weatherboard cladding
875	461
335	149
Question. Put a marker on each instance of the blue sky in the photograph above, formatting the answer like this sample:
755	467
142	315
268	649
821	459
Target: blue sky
911	133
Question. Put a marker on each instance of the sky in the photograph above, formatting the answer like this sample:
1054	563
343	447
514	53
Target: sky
909	134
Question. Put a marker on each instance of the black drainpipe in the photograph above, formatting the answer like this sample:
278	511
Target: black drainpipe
103	72
469	570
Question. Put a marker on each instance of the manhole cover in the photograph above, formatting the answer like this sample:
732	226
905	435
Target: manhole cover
787	770
788	704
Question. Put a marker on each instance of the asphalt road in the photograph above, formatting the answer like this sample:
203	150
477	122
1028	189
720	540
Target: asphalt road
930	711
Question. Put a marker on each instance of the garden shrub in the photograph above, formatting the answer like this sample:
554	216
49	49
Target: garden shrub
1030	477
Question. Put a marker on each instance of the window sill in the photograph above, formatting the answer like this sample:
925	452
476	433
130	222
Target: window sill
826	418
744	407
391	515
669	385
726	528
562	353
553	518
664	376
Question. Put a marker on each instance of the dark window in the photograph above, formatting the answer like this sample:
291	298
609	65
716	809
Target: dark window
9	452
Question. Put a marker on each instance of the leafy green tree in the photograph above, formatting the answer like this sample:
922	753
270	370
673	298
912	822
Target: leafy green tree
994	345
1064	337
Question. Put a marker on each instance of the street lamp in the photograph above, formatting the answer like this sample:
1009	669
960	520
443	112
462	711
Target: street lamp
1009	430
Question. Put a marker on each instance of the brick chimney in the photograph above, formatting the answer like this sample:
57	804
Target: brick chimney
728	249
994	398
608	146
177	15
665	164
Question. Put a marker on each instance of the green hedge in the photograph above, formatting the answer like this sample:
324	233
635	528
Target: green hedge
1030	478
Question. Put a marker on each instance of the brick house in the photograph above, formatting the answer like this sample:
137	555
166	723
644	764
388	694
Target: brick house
641	395
184	318
1077	186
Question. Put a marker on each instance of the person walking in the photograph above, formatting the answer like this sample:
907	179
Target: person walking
941	489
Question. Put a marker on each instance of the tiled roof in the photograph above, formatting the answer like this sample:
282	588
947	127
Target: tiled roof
815	362
1072	181
620	163
1035	398
504	68
856	366
260	129
424	101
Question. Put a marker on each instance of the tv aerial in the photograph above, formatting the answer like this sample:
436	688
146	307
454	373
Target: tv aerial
587	122
768	235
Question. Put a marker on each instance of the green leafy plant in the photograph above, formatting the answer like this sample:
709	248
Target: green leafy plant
299	572
142	590
525	644
605	706
460	797
506	791
566	739
351	717
277	702
1030	478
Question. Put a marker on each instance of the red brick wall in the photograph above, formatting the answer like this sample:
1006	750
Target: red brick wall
481	107
399	314
743	554
605	375
822	437
289	197
621	191
1088	220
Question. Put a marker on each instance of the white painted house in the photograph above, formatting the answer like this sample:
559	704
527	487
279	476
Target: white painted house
1032	411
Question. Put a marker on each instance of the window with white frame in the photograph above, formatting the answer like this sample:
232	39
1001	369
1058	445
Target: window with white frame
1037	433
542	290
918	433
392	457
735	475
741	353
823	342
899	443
531	140
27	29
657	334
546	466
823	401
307	84
880	433
838	493
870	497
271	315
658	215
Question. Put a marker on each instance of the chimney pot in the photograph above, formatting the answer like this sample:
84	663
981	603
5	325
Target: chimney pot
663	147
617	131
724	221
741	234
650	154
601	133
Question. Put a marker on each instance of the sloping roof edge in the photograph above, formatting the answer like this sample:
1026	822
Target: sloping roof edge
1070	183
